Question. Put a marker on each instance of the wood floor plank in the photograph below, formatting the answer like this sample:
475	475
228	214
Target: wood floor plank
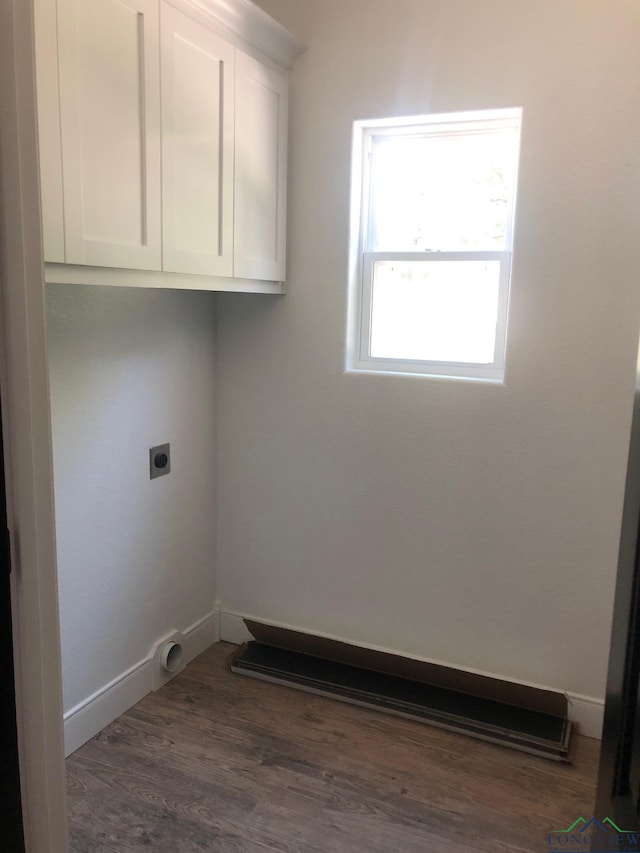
219	762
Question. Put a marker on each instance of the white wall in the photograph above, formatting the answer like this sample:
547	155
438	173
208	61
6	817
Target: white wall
136	557
462	522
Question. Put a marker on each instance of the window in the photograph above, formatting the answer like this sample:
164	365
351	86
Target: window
432	228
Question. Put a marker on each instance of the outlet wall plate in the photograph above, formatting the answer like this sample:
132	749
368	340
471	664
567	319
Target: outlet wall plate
159	460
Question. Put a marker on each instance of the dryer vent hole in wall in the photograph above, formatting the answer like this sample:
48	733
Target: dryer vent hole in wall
171	657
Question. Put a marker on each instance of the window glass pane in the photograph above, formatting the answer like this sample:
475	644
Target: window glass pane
442	192
435	311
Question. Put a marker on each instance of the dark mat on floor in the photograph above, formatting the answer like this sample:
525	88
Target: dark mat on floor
520	728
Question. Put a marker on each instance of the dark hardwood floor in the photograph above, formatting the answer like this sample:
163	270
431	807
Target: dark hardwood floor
218	762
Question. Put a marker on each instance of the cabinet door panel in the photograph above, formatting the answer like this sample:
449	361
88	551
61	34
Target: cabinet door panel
45	25
110	115
260	172
197	147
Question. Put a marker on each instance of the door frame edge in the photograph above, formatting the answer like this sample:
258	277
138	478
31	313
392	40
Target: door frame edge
24	385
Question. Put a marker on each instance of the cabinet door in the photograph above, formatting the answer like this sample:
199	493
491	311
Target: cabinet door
110	117
260	172
197	147
49	130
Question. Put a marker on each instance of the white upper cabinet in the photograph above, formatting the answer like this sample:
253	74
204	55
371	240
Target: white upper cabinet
163	142
197	147
110	121
260	173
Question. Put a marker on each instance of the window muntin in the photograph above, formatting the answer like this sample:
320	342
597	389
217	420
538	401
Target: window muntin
435	224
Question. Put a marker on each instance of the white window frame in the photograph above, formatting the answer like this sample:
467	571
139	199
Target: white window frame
363	259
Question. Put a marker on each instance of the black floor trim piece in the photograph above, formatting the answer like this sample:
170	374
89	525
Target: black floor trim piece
531	731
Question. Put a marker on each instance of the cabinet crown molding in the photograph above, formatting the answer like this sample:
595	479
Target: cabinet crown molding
250	25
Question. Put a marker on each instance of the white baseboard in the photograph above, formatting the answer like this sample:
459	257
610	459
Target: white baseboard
97	711
94	713
586	711
233	629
